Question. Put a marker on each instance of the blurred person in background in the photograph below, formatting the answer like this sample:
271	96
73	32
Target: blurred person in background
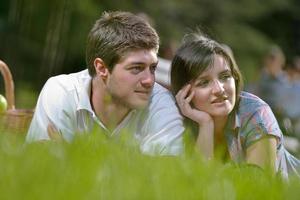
272	78
273	84
293	71
290	98
117	93
228	123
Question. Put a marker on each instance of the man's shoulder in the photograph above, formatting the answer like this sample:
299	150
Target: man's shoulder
159	89
161	94
68	81
161	98
65	88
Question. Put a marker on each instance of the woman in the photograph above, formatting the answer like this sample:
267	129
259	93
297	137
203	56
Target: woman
208	87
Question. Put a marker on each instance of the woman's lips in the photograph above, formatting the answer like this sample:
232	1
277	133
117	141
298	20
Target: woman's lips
220	99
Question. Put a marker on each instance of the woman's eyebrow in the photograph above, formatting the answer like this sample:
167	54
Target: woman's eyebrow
225	71
202	77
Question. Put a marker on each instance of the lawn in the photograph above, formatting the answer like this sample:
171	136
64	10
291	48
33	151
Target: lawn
96	167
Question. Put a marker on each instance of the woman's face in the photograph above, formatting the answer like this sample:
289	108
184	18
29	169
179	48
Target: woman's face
215	89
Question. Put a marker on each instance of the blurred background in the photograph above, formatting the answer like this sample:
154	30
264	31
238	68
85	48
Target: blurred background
42	38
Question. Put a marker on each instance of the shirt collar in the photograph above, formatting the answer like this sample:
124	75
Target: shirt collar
84	103
234	121
84	91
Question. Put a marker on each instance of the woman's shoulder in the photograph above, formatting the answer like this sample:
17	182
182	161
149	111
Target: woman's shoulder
256	119
251	105
250	100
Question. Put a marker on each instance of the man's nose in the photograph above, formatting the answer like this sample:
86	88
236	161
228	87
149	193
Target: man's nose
148	78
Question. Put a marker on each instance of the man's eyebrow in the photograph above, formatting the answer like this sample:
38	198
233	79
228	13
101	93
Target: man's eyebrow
142	63
137	63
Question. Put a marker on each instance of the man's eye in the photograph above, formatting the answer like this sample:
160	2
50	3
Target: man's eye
153	68
136	69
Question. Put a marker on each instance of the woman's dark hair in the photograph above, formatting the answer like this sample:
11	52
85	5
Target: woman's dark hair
195	55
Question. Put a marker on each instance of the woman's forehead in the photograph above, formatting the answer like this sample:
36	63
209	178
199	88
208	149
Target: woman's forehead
219	64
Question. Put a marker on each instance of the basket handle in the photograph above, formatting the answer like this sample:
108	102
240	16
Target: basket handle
9	85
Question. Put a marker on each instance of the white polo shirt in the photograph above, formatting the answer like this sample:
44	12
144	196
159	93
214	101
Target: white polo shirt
65	102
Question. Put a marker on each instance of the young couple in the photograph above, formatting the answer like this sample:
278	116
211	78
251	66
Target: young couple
118	92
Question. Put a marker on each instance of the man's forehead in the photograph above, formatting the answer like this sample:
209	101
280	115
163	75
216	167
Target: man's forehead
139	55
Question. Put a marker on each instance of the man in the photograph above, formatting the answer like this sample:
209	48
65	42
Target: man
117	92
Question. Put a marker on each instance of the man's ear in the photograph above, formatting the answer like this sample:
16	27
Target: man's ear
100	68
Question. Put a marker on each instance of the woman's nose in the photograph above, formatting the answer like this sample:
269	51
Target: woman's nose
218	87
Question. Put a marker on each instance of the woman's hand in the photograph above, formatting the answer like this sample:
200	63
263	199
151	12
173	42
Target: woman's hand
183	99
205	140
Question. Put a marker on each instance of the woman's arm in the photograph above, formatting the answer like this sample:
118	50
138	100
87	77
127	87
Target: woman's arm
263	153
205	139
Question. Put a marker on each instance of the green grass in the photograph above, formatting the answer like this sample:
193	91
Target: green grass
95	167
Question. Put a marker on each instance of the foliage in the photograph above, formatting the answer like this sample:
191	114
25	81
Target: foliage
96	167
44	38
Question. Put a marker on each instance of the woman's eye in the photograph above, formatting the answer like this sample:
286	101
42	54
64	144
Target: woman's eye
202	83
225	77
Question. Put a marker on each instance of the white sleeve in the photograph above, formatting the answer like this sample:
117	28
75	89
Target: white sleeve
52	107
163	129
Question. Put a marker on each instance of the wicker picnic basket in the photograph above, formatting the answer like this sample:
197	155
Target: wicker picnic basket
13	120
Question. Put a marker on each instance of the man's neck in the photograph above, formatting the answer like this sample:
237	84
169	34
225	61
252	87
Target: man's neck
110	112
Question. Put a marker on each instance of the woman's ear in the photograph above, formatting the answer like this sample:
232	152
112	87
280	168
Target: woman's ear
100	68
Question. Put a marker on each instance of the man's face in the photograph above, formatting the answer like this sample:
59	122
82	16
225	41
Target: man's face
131	81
